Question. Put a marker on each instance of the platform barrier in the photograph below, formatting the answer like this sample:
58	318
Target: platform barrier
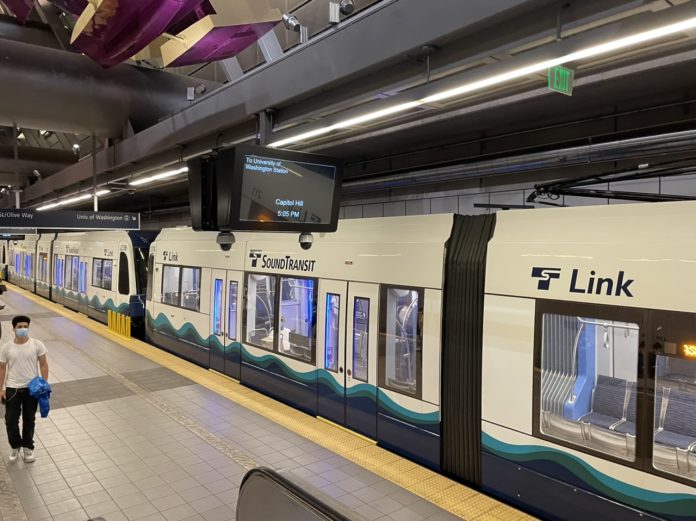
119	323
270	496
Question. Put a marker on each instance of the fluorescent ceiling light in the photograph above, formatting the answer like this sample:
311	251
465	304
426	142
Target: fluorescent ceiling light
71	200
582	54
158	177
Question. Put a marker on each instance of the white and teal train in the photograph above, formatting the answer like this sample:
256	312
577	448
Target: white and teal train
88	272
547	357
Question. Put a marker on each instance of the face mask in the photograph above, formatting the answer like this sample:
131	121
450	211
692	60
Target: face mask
22	332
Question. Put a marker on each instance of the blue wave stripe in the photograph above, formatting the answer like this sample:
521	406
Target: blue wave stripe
675	504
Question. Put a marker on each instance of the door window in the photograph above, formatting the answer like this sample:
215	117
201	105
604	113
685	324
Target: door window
298	316
123	274
331	331
232	312
401	340
260	310
217	307
361	338
191	288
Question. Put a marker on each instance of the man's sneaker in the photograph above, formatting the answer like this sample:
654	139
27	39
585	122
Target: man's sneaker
28	456
14	455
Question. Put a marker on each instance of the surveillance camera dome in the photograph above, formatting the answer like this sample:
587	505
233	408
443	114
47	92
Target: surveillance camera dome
306	240
347	6
225	240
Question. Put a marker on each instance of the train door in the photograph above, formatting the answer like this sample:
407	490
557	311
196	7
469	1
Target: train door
331	359
361	358
224	345
82	296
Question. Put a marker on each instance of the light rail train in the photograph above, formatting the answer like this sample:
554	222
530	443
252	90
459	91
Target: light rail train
547	357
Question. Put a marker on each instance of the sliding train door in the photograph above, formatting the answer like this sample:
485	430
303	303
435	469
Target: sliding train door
331	352
225	348
361	358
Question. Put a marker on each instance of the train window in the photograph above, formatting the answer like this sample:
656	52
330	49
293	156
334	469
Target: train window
331	331
260	310
68	272
401	340
27	266
191	288
123	274
361	339
232	312
150	275
589	368
82	281
58	271
142	269
107	274
97	273
170	285
298	318
75	273
217	307
43	267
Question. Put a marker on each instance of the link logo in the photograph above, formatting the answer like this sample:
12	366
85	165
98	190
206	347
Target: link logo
545	275
589	285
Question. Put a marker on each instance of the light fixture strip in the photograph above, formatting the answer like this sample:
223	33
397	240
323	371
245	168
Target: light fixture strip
535	68
71	200
159	177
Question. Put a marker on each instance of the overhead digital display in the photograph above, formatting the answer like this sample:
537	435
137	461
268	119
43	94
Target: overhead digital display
280	190
266	189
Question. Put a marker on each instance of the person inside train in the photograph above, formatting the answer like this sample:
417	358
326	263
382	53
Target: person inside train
21	360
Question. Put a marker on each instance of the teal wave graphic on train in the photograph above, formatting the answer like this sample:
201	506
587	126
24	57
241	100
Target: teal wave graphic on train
539	457
94	301
272	362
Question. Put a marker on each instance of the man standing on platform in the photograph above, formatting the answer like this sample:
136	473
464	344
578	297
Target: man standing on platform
20	360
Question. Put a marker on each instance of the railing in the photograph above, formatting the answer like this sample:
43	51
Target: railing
119	323
266	495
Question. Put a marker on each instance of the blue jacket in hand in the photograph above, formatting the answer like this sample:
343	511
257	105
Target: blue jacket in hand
41	390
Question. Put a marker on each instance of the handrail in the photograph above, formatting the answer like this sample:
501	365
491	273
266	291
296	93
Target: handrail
315	507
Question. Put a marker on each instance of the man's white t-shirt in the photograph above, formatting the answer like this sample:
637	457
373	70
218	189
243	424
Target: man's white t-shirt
22	361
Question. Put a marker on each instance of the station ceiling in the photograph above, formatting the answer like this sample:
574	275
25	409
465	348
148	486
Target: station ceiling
386	53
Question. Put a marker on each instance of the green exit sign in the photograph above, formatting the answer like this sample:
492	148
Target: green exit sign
561	80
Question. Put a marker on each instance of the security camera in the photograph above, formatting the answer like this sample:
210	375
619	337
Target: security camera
306	241
225	240
291	23
347	6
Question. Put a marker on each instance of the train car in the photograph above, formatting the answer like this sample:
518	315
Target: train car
589	362
88	272
547	357
303	326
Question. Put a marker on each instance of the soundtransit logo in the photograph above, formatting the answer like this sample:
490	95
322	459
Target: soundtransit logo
545	275
280	263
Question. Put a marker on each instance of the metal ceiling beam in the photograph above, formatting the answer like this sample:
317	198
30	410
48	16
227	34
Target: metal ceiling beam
358	45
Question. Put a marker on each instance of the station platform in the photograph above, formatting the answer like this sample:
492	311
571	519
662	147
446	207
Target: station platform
137	434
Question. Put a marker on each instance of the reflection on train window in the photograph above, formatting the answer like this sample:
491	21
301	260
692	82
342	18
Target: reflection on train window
75	273
68	272
42	274
588	383
232	311
27	266
217	307
298	316
108	267
58	271
191	288
96	272
170	285
82	280
361	330
333	308
674	448
401	341
260	310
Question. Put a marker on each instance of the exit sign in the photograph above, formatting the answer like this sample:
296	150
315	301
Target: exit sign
561	80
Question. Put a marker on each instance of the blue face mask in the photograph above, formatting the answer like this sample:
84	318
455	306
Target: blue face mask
22	332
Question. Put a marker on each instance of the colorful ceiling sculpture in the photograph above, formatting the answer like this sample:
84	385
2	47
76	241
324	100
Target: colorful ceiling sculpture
182	32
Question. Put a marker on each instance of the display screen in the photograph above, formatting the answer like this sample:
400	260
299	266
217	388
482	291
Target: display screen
280	190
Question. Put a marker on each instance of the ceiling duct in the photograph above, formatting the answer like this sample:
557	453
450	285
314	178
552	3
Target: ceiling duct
658	145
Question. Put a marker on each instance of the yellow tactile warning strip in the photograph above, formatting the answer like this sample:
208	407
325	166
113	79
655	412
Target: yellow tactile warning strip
445	493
